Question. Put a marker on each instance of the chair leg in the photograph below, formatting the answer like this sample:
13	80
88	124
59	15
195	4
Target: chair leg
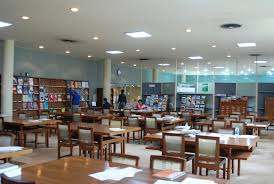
239	167
59	150
206	172
71	150
25	139
139	137
217	173
35	139
200	171
232	167
224	170
193	166
80	151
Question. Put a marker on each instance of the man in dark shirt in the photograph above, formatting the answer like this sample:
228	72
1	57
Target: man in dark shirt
106	104
122	100
75	100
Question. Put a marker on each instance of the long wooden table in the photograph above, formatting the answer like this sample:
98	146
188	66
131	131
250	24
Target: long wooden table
75	170
228	142
12	154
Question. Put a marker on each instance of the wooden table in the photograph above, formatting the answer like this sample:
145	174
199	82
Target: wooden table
103	130
12	154
257	127
201	124
91	118
242	142
176	121
75	170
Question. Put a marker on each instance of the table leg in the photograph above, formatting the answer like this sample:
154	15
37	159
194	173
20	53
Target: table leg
47	137
21	136
128	137
229	163
101	147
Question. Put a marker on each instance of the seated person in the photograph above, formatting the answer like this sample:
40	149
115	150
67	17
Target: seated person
140	105
106	104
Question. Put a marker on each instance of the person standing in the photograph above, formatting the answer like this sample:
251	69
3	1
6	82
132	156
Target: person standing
75	100
122	100
106	104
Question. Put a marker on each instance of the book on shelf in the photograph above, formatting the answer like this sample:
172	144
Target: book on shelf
46	98
72	84
83	84
14	81
35	105
20	81
25	106
30	81
59	98
80	84
25	90
25	81
19	89
86	84
46	105
14	89
168	174
30	89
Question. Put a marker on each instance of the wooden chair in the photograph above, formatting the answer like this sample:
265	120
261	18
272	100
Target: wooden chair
124	159
208	155
116	123
187	116
64	139
22	116
98	112
173	113
1	124
106	111
174	145
252	117
157	115
151	125
77	117
127	112
134	122
105	121
228	131
6	139
236	116
159	162
7	180
36	131
246	120
241	125
218	124
86	141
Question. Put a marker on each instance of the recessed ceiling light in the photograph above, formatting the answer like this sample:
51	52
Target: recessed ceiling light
229	56
114	52
95	38
25	17
122	62
137	50
188	30
4	24
219	67
138	34
209	63
164	64
182	63
134	65
173	48
213	46
67	52
89	56
41	46
74	9
195	57
252	44
260	62
163	70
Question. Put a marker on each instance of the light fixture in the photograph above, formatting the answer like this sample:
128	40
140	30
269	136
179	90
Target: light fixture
41	46
252	44
229	56
205	70
173	48
218	67
4	24
209	63
163	70
67	52
195	57
164	64
122	62
260	62
182	63
213	46
89	56
138	34
188	30
95	38
74	9
137	50
25	17
114	52
134	65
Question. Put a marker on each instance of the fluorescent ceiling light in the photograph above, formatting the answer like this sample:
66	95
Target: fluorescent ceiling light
209	63
164	64
252	44
67	52
182	63
213	46
188	30
219	67
89	56
25	17
114	52
95	38
4	24
195	57
134	65
122	62
260	62
139	34
74	9
229	56
173	48
137	50
41	47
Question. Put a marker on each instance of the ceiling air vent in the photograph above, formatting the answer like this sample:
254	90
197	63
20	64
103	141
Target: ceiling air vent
65	40
231	26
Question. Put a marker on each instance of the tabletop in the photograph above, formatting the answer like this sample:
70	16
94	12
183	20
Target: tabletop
30	122
12	154
75	170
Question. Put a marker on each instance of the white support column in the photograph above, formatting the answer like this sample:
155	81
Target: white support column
7	78
154	75
107	78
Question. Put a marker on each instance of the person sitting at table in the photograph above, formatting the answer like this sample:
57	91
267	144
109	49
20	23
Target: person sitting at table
106	104
140	105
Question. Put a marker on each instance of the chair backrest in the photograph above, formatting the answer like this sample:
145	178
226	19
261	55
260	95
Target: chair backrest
252	117
77	117
253	114
157	115
86	136
173	113
159	162
133	122
1	123
247	120
6	139
228	131
240	124
207	150
173	144
124	159
105	121
97	112
218	124
63	132
22	116
236	116
229	119
186	115
151	123
116	123
7	180
106	111
199	112
127	112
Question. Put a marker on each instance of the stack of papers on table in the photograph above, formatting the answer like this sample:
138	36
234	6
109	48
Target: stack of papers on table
169	118
35	121
116	129
6	149
197	181
166	182
115	173
10	170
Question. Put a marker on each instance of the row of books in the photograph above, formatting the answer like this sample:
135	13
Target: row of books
23	89
30	106
77	84
23	81
157	101
196	102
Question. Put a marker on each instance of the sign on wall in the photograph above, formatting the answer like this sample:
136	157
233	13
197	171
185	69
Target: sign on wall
205	88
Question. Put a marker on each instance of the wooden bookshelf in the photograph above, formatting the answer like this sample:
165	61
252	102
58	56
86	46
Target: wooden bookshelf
227	107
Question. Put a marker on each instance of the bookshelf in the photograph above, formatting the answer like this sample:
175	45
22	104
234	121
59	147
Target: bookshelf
227	107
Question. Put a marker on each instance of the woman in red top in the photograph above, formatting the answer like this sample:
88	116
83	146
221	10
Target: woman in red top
140	105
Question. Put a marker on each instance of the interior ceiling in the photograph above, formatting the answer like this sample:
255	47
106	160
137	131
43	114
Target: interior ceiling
166	20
